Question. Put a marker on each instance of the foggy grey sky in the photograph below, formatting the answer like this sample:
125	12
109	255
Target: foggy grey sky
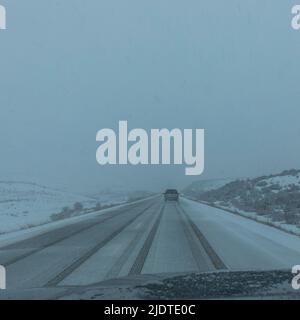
69	68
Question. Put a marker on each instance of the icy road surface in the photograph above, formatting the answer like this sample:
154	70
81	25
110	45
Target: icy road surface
146	237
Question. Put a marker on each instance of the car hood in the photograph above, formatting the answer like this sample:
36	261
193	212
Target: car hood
274	284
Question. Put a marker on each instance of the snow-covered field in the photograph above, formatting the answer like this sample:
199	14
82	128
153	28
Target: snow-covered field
24	205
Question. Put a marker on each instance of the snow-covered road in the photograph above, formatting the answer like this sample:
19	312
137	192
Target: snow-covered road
243	243
146	237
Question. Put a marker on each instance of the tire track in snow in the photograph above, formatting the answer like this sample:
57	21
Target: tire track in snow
193	231
139	262
77	263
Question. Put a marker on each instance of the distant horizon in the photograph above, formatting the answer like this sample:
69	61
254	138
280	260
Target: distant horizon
122	188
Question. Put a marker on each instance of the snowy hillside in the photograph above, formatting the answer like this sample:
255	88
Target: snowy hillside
275	198
283	181
198	187
23	204
26	204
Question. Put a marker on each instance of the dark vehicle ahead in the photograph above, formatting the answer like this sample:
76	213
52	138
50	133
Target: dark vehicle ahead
171	195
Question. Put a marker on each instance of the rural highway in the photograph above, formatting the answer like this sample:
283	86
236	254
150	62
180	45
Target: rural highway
147	237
